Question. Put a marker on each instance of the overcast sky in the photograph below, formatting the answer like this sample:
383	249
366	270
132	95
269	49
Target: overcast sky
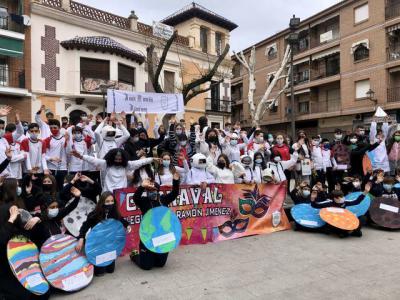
257	19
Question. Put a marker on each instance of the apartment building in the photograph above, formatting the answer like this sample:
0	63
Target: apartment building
15	56
77	48
343	53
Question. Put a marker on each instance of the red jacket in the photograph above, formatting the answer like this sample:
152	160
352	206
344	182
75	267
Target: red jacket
283	150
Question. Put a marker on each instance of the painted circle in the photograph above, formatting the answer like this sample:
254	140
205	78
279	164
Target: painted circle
306	215
360	209
63	267
340	218
384	212
106	240
160	230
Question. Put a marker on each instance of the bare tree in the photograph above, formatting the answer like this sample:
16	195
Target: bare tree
189	90
257	111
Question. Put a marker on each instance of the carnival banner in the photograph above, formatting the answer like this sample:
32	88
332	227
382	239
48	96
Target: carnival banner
118	101
219	212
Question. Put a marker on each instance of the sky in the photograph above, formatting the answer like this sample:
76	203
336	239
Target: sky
257	19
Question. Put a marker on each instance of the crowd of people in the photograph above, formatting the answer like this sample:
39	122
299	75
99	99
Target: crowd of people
47	166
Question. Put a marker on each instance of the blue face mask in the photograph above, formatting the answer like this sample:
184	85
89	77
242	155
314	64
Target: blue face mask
258	161
234	142
327	146
166	163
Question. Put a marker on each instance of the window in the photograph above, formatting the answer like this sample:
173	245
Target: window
3	72
3	18
219	41
95	68
361	52
272	51
126	74
273	109
215	96
361	13
204	39
169	82
362	87
304	107
333	65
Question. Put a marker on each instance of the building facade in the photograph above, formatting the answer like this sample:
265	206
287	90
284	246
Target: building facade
77	48
343	53
15	56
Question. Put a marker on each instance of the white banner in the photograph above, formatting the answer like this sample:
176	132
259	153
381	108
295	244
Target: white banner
152	103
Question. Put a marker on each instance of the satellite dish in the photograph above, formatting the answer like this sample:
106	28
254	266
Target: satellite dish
27	20
380	113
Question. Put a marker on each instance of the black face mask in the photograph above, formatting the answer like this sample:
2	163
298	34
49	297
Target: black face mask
221	165
108	208
213	139
47	187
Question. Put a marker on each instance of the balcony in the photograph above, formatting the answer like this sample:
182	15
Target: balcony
393	53
218	106
6	23
301	77
12	78
308	108
325	32
393	94
325	67
392	9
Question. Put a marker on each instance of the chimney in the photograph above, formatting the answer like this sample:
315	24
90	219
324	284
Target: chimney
66	5
133	21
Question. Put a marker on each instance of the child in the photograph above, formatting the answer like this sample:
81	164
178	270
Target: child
80	143
33	146
222	172
198	174
258	167
341	202
166	170
301	194
105	209
146	259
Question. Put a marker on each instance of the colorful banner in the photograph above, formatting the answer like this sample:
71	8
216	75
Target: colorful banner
220	212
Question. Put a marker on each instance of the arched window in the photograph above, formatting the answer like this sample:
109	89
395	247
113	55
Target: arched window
361	52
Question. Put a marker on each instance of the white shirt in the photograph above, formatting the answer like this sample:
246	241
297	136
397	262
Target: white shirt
14	168
104	146
35	155
221	175
197	176
56	148
116	177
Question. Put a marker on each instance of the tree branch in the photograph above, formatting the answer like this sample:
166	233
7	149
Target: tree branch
208	77
195	93
164	55
150	69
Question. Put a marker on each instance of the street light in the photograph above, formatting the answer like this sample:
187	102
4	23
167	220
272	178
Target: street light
293	39
371	96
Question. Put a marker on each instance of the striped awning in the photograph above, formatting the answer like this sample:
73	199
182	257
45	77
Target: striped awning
393	28
11	47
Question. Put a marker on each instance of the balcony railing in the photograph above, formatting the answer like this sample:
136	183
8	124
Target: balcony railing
301	77
321	73
393	94
392	11
393	53
219	106
6	23
12	78
332	105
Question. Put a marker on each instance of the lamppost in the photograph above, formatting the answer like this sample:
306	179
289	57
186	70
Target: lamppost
371	96
293	40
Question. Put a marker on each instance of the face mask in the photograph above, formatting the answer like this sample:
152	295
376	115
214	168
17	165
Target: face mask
135	139
362	132
258	161
260	140
33	136
234	142
327	146
356	184
353	141
270	140
166	163
183	143
55	132
388	187
306	193
397	138
221	164
19	191
315	143
78	137
26	128
279	141
108	207
2	132
47	187
338	136
277	159
213	138
84	118
179	131
52	213
139	127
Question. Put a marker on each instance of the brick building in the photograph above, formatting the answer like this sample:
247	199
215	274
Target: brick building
15	56
76	48
343	52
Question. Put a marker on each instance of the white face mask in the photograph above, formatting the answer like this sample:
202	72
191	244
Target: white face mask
260	140
315	143
179	131
341	200
356	184
306	193
353	141
279	141
78	136
270	140
338	136
52	213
